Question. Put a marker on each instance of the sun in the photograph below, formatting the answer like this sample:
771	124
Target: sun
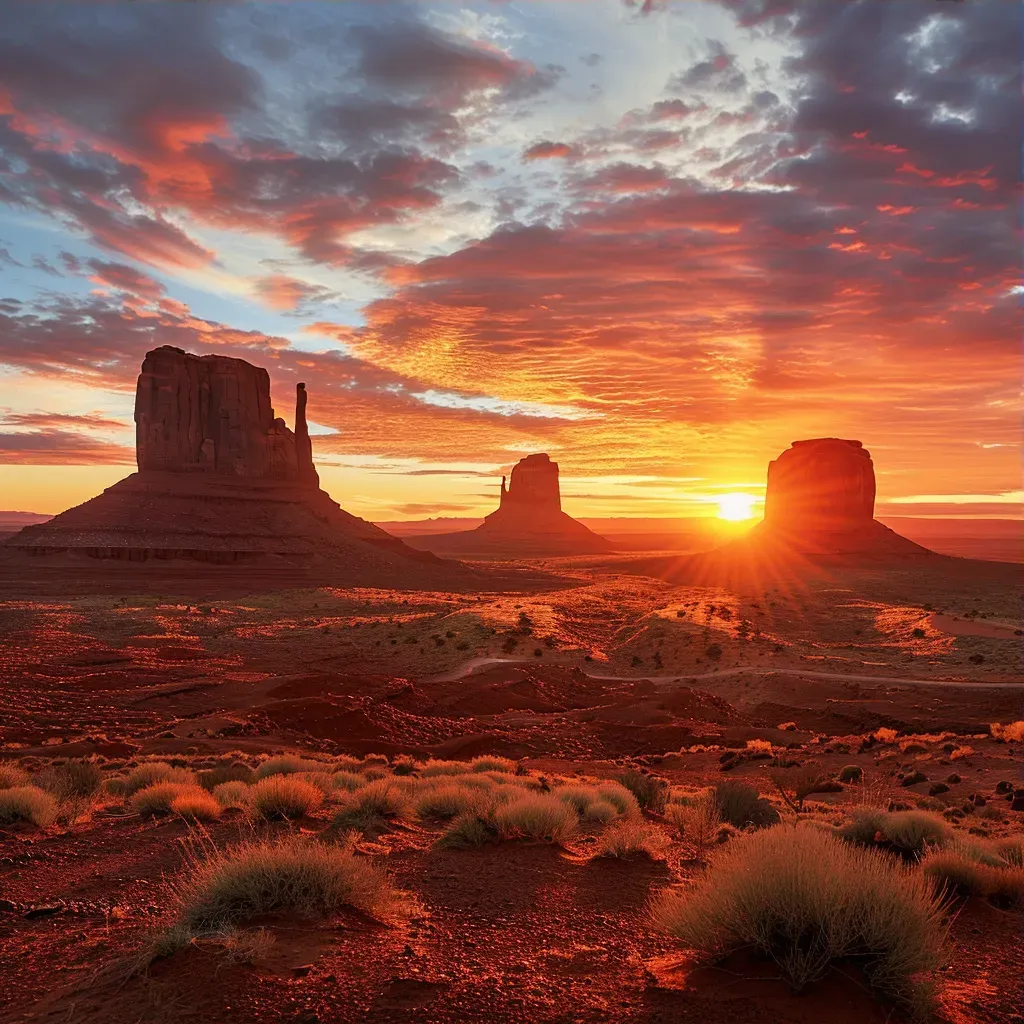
736	506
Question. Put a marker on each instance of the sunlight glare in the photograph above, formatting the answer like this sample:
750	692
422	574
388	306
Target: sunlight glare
736	506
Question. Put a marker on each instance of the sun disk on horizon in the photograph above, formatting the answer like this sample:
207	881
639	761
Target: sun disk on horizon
736	506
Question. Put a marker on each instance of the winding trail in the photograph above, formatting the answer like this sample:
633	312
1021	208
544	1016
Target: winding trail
467	668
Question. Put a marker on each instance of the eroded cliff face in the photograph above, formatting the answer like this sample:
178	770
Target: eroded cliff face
532	489
822	484
212	414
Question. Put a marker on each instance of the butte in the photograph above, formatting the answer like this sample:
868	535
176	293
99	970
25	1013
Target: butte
819	512
528	521
820	501
221	479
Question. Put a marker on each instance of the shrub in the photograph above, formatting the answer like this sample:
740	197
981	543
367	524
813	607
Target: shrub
276	797
650	791
741	805
323	781
286	764
803	899
698	824
437	767
865	825
404	766
150	772
27	803
1011	849
601	811
195	804
1006	887
884	735
851	773
73	779
235	771
155	801
540	816
487	763
348	781
232	794
630	838
12	775
579	797
911	832
469	830
306	878
372	805
448	799
619	797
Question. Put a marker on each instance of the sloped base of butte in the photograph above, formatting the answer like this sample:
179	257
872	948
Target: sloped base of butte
551	534
223	519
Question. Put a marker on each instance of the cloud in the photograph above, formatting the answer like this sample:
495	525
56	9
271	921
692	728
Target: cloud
546	150
289	294
46	420
61	448
126	279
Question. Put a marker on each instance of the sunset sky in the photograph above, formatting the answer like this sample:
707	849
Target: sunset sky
659	241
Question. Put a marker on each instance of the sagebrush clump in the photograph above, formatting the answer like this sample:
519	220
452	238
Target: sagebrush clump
806	900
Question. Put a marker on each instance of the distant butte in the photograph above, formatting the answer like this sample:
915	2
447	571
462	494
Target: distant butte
528	521
222	479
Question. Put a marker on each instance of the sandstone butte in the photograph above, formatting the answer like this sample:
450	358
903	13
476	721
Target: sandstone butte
221	478
820	499
528	521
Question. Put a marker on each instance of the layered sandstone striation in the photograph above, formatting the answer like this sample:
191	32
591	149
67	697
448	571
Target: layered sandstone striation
528	520
212	414
220	479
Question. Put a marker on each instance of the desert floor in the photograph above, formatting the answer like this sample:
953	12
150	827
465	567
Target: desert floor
586	669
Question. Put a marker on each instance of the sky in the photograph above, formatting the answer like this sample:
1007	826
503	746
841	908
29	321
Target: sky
657	240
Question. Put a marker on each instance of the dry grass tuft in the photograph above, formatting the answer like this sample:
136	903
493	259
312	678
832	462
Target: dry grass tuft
488	763
196	804
277	796
371	806
445	799
74	780
285	764
12	775
233	794
649	791
632	839
468	831
435	767
308	878
27	803
741	805
151	772
155	801
699	824
807	901
540	816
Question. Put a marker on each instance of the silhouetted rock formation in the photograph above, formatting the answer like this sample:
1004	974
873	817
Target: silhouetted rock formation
528	520
221	479
821	500
822	484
